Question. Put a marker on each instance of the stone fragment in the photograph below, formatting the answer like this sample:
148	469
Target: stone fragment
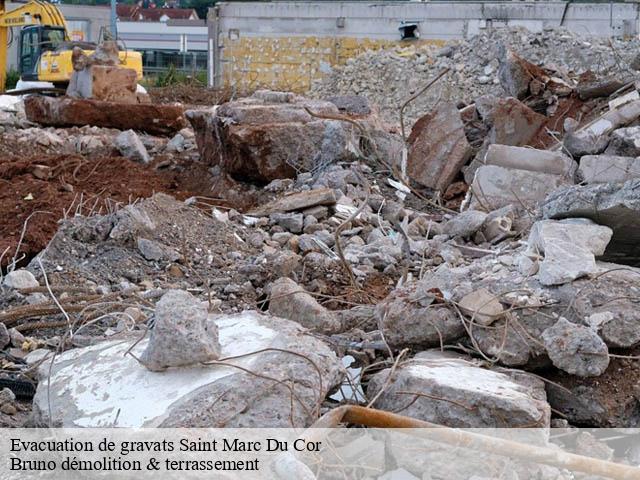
297	201
106	83
543	161
513	123
465	224
515	73
154	251
451	391
411	315
130	146
612	204
351	104
292	222
155	119
494	187
482	306
181	335
5	337
608	168
289	300
438	148
17	339
624	142
576	349
20	278
101	386
569	248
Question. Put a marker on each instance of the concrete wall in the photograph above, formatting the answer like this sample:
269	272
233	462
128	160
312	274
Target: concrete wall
80	18
285	45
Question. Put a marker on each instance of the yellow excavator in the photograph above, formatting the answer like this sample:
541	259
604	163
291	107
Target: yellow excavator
45	47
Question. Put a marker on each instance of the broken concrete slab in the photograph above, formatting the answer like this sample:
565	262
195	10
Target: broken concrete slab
438	147
273	135
531	159
569	248
297	201
68	112
181	334
494	187
106	83
612	204
512	122
289	300
608	168
624	142
452	391
576	349
99	386
516	74
130	146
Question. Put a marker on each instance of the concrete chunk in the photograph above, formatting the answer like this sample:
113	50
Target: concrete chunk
569	248
100	386
624	142
297	201
443	389
130	146
543	161
438	148
69	112
494	187
608	168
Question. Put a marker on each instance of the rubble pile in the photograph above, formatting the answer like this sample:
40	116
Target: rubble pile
288	256
388	77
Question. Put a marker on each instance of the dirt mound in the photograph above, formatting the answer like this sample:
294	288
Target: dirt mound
75	185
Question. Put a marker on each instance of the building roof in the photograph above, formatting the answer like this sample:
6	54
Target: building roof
138	14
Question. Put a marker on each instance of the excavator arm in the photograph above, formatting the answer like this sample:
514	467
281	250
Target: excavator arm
35	12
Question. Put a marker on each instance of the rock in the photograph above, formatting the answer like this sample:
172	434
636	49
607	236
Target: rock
482	306
176	144
608	168
451	391
576	349
289	300
8	409
512	122
100	386
297	201
611	204
106	83
154	119
292	222
515	73
7	396
17	339
5	338
499	223
19	279
594	138
155	251
408	316
607	401
494	187
260	139
285	263
129	145
465	224
624	142
543	161
438	148
569	248
181	335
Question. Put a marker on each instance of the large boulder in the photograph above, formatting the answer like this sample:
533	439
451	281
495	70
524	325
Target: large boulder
101	386
273	135
452	391
612	204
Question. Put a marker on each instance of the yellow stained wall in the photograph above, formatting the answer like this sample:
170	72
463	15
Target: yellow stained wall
292	63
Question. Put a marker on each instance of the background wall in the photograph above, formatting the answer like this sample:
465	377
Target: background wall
285	45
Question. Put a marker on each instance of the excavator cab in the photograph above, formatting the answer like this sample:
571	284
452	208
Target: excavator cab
34	41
